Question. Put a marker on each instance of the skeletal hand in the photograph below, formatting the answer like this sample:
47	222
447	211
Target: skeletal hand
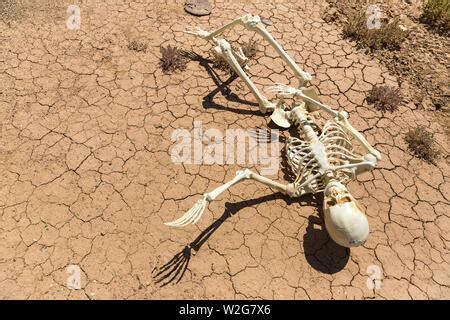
191	216
283	90
199	32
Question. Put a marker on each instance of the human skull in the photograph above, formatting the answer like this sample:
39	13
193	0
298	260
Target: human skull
344	219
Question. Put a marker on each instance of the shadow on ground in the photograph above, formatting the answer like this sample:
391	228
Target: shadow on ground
222	87
321	252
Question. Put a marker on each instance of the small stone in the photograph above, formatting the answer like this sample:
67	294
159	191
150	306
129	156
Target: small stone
198	7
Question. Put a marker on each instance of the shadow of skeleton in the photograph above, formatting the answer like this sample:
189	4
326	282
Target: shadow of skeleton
315	240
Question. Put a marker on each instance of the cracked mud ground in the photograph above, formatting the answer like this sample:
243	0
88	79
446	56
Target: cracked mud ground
86	176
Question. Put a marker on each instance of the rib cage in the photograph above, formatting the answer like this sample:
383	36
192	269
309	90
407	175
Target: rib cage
339	151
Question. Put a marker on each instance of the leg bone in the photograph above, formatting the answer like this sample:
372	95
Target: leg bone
196	31
303	76
223	48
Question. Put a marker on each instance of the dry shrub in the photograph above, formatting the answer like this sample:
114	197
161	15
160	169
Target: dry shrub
172	59
137	46
384	98
436	13
421	143
249	48
388	36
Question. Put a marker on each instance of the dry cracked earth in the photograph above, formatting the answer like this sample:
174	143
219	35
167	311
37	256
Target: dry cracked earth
86	176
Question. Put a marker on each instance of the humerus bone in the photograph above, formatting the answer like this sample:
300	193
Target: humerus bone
321	162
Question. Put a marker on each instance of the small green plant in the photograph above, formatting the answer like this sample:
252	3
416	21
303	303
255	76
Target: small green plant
384	98
249	48
172	59
137	46
388	36
421	143
436	13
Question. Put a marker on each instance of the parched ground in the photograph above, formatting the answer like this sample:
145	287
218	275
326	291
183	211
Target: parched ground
86	176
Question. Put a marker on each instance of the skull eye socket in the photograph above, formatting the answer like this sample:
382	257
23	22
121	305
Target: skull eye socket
336	200
345	199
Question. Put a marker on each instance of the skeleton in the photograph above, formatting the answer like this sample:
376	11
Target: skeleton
322	162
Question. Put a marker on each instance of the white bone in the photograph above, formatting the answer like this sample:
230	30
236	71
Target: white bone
191	216
224	49
357	135
194	214
284	90
196	31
